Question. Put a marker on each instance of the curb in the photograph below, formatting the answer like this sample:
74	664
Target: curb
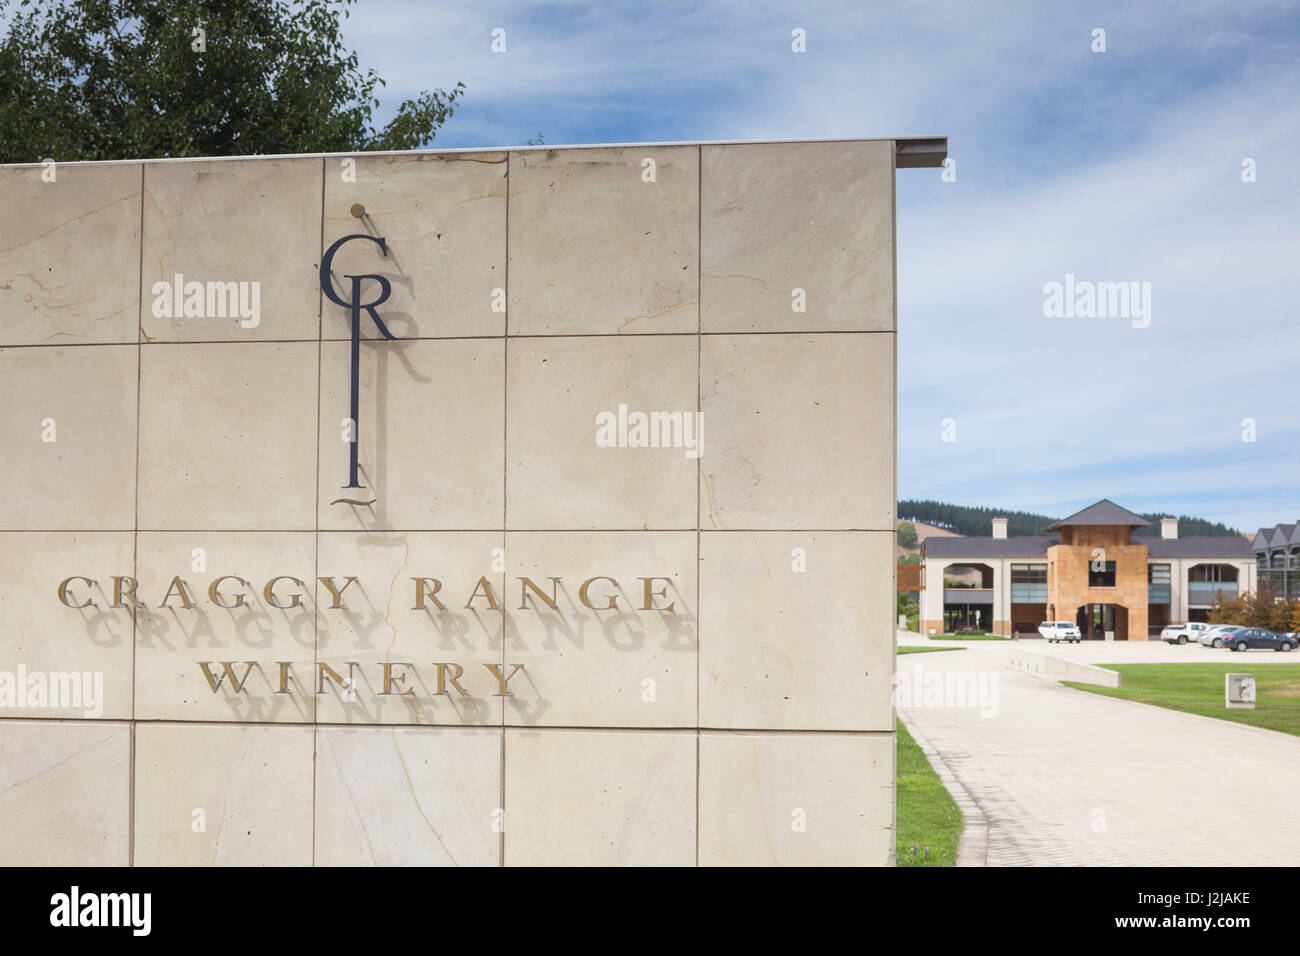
973	844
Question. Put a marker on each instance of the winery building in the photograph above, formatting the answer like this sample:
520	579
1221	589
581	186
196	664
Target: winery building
1088	568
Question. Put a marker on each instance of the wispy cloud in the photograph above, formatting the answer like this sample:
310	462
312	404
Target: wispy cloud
1116	166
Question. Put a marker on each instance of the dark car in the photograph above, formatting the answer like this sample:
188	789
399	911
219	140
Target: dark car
1258	637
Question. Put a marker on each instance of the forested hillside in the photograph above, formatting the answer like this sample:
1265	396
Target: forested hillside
965	519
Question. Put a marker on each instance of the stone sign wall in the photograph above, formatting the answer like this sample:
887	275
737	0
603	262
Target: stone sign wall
614	584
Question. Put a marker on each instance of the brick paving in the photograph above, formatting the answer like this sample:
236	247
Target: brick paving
1063	778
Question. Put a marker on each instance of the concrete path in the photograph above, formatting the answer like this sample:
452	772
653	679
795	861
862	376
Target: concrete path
1064	777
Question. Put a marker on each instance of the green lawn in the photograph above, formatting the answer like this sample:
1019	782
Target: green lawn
908	649
1198	689
927	815
969	637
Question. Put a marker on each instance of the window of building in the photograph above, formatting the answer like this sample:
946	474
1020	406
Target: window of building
1104	578
1028	584
1158	578
1205	582
1212	572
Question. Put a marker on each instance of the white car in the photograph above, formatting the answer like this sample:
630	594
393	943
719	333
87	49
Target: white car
1056	631
1182	633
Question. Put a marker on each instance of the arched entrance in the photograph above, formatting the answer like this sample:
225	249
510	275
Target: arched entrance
1095	620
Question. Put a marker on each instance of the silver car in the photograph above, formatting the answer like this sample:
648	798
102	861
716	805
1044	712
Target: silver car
1215	635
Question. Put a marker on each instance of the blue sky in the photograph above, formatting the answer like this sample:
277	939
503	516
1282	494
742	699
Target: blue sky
1116	166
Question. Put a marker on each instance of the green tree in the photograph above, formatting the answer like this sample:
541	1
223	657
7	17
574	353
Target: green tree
978	521
906	534
142	79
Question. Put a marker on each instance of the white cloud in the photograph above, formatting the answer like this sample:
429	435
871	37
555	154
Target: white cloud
1123	165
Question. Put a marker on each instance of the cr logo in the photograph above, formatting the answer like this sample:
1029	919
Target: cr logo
356	306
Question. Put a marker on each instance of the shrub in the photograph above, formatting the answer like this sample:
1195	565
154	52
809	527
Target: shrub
1263	608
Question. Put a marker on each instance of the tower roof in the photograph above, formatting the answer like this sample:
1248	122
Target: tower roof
1104	512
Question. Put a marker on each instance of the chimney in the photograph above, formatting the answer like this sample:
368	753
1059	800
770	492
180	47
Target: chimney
1169	528
999	527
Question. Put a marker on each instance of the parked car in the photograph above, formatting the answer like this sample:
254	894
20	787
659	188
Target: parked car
1182	633
1217	632
1056	631
1259	638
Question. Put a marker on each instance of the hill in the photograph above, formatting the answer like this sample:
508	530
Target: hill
967	520
922	531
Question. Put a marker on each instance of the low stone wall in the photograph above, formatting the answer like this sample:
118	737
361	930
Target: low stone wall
1058	668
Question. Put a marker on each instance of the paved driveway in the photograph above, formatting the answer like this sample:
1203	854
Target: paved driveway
1064	777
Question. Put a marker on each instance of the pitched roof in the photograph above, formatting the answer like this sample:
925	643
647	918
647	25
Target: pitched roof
1198	546
1104	512
1278	536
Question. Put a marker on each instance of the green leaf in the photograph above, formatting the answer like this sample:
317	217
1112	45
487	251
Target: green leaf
118	79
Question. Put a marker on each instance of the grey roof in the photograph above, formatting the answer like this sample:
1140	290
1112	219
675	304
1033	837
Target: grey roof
1036	545
1104	512
1021	546
1278	536
1198	546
